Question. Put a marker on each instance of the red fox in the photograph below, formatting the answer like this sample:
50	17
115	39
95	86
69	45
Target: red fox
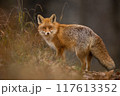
78	38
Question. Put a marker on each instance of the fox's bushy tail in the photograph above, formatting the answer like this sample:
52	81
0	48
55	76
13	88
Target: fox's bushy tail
99	50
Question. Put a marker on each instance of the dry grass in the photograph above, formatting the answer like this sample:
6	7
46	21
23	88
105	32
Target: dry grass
25	55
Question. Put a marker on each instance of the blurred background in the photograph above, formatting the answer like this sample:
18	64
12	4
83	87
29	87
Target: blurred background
103	16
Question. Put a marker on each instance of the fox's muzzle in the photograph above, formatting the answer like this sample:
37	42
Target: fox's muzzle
46	33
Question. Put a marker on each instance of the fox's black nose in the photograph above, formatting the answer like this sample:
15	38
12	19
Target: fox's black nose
48	33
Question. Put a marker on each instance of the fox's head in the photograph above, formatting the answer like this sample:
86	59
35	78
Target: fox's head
47	26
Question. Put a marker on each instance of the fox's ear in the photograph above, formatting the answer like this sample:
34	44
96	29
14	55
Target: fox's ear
40	19
53	18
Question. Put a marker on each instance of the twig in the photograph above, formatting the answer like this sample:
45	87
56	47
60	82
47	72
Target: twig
62	12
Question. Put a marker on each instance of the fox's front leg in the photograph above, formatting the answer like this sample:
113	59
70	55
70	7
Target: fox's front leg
60	52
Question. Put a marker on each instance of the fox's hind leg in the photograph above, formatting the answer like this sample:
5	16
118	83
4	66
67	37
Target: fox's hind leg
82	57
89	57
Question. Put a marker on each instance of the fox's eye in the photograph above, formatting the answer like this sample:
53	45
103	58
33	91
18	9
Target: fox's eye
50	27
44	28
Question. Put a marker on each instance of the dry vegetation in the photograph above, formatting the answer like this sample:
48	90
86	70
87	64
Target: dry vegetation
25	55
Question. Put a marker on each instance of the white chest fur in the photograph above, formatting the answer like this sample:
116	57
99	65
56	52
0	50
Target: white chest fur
51	44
